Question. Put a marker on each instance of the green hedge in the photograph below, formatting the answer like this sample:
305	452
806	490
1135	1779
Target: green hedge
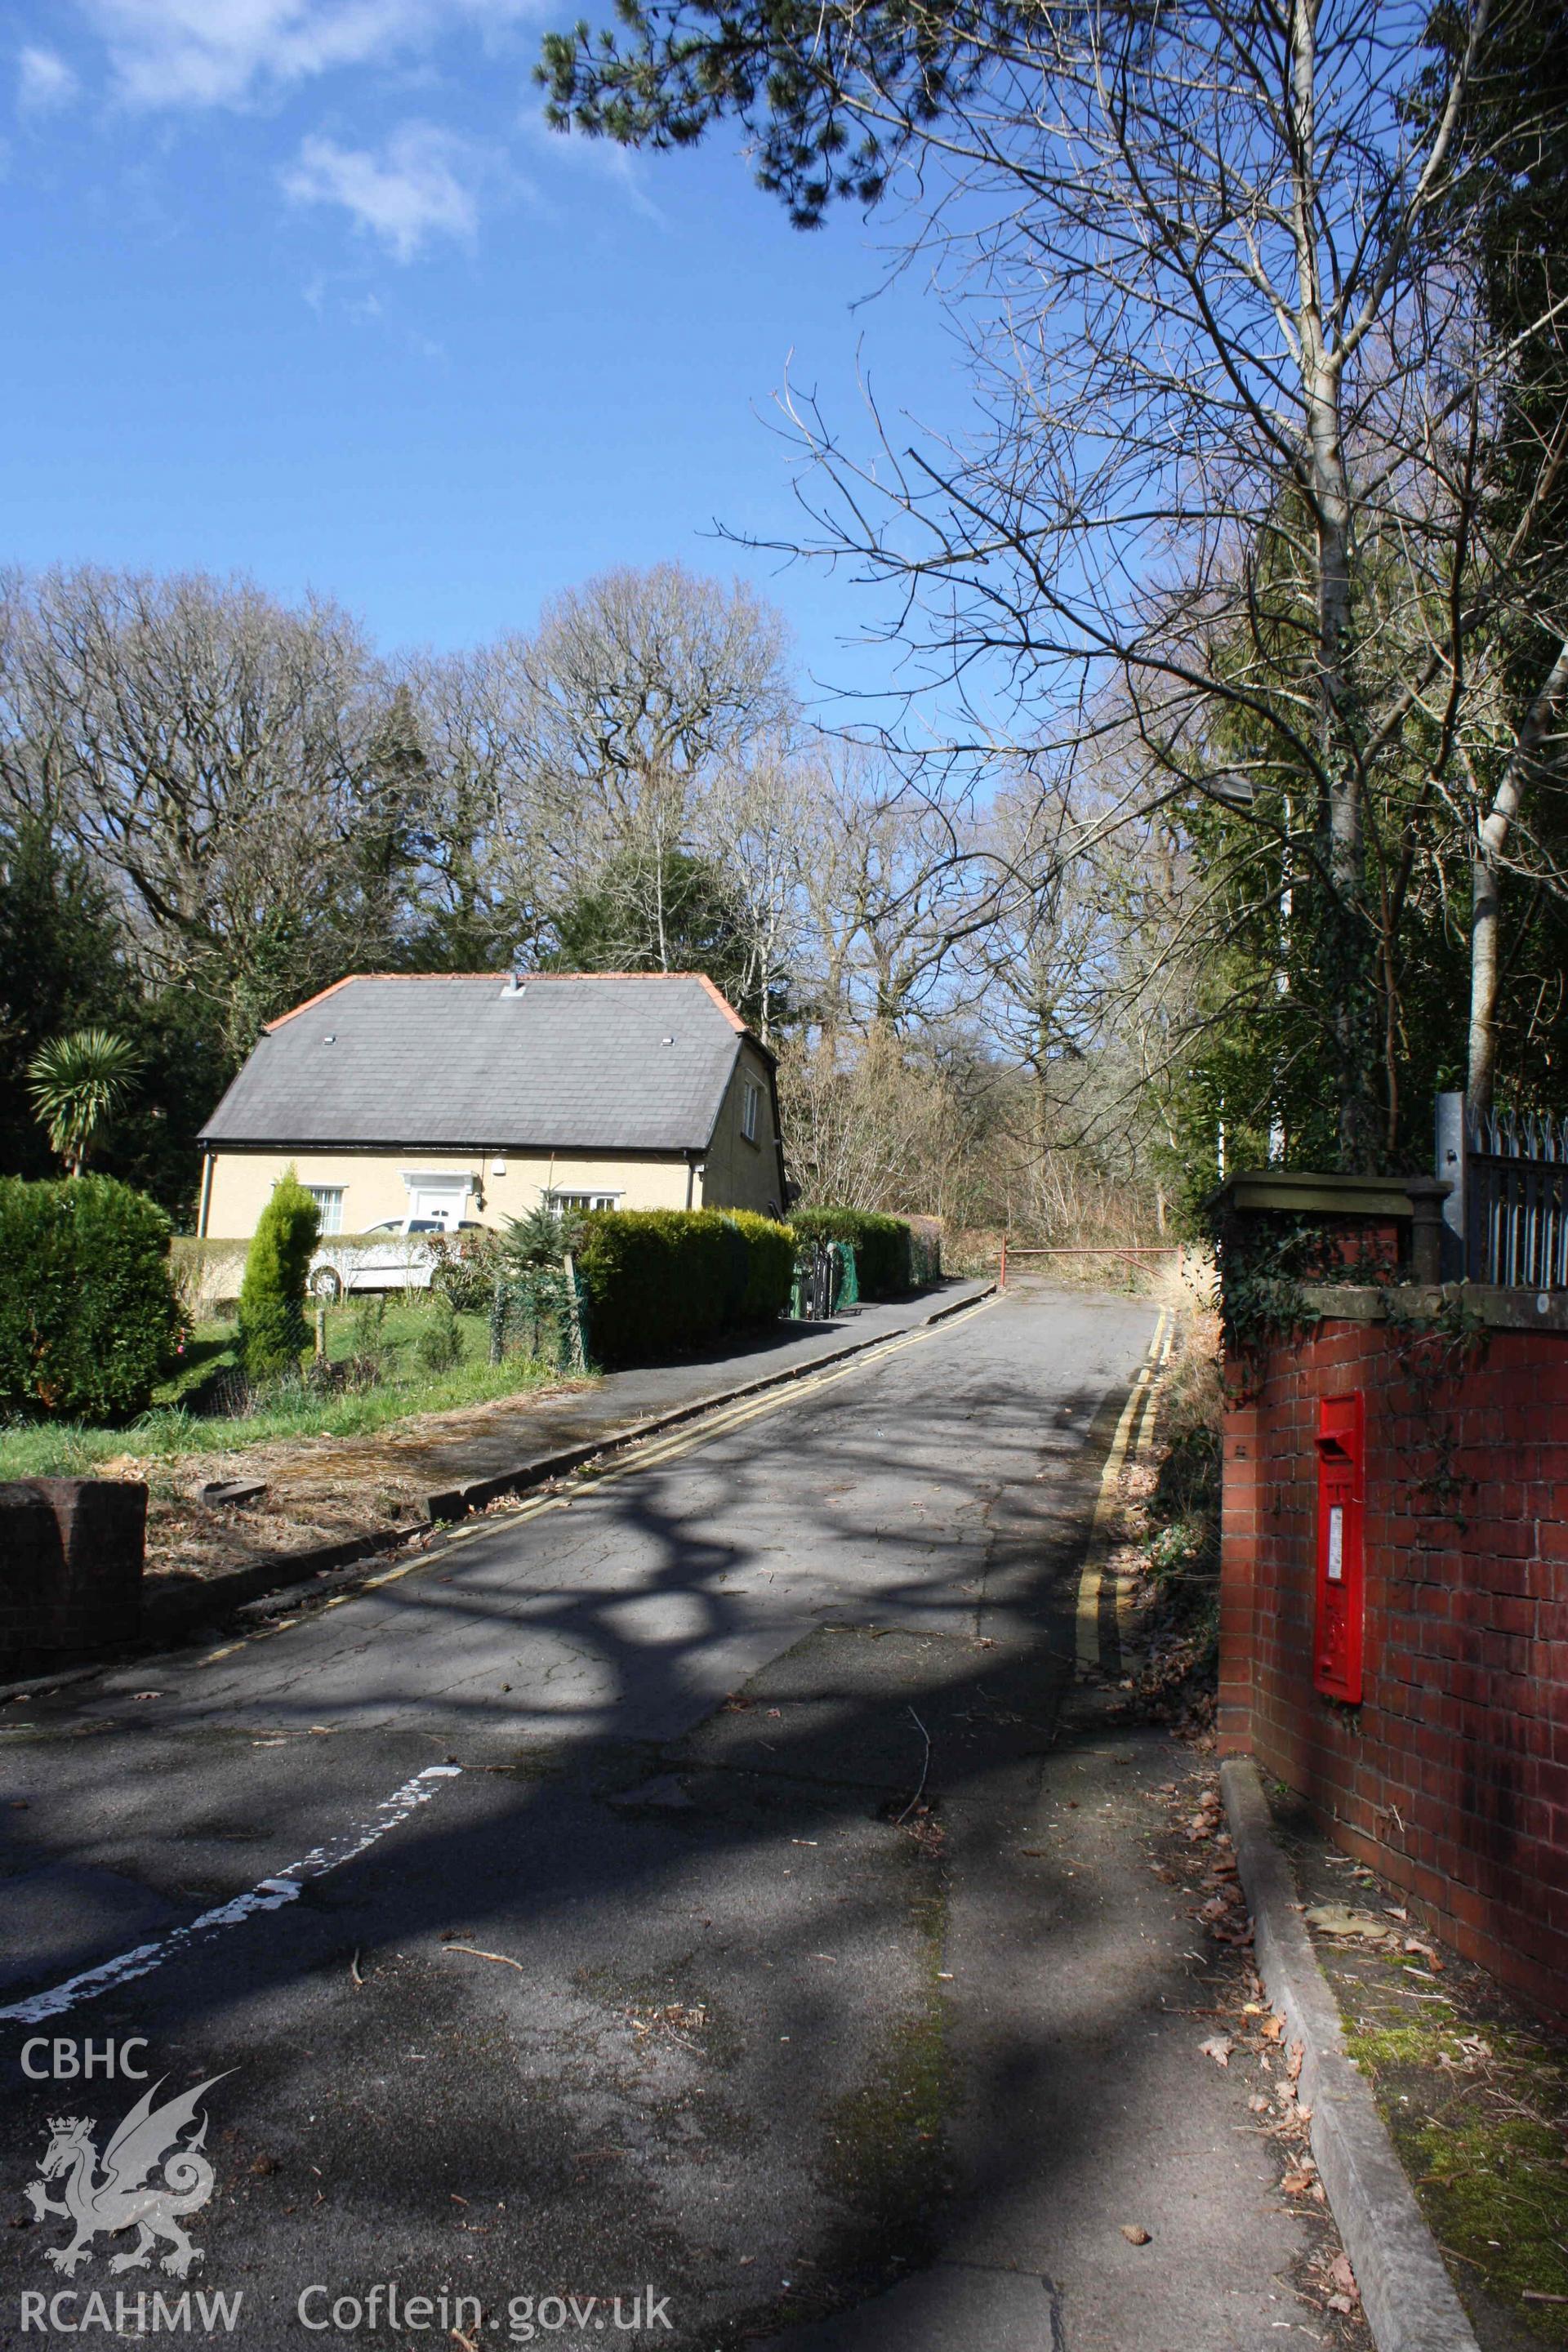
769	1264
661	1280
87	1316
206	1276
884	1266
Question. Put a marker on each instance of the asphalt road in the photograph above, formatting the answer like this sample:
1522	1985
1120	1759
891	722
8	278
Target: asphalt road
701	1889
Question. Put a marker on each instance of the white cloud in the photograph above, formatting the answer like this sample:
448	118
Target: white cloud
595	158
421	184
44	79
220	52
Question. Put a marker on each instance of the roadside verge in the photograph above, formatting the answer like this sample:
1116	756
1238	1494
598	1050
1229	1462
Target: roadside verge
1406	2290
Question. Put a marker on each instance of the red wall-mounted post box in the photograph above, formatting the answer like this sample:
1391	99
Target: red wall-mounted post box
1342	1578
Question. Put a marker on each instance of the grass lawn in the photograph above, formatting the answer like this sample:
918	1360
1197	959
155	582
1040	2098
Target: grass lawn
176	1423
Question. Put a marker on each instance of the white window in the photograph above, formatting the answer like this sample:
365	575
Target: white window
751	1099
583	1200
328	1199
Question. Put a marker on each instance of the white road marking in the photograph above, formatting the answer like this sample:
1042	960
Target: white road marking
267	1895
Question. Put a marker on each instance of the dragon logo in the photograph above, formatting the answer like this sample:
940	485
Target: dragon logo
120	2196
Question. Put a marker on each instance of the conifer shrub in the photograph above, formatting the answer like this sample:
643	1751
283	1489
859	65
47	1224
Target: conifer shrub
441	1342
272	1327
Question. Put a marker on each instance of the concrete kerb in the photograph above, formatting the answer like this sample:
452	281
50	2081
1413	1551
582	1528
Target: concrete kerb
295	1577
1406	2290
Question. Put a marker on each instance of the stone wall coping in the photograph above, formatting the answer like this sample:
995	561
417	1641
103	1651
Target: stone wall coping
1497	1308
1296	1189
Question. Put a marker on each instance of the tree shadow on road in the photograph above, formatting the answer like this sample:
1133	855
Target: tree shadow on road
658	1987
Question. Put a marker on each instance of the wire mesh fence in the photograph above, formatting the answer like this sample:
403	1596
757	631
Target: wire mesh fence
543	1314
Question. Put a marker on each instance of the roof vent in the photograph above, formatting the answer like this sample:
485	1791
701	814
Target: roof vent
667	1041
513	984
331	1038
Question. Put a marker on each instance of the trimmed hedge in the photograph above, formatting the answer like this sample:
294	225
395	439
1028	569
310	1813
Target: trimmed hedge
884	1264
87	1314
664	1279
206	1276
769	1264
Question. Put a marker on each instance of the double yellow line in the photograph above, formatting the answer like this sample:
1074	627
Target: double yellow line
1091	1576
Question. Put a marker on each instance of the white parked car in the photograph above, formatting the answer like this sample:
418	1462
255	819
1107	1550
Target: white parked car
400	1262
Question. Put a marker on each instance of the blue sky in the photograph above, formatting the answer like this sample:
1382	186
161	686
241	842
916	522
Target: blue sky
303	288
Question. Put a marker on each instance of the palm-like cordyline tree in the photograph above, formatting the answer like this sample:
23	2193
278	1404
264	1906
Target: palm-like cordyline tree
78	1082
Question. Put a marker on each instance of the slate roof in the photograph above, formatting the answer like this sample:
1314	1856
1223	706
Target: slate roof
570	1061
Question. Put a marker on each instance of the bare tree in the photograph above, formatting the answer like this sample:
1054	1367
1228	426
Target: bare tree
220	757
633	692
889	890
1218	268
485	873
761	823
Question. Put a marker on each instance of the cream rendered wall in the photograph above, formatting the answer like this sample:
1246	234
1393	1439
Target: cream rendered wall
739	1174
374	1189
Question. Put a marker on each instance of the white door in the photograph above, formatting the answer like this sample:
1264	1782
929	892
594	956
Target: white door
442	1199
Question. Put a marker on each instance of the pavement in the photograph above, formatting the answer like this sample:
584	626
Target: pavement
707	1886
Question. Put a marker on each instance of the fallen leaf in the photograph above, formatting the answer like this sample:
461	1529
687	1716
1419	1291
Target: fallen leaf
1343	1919
1415	1944
1218	2047
1344	2277
1293	2063
1272	2028
1134	2233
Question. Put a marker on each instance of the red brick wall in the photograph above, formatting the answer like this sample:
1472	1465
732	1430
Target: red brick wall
1451	1779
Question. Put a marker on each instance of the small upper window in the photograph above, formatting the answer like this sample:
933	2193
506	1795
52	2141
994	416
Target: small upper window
584	1199
750	1102
328	1199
